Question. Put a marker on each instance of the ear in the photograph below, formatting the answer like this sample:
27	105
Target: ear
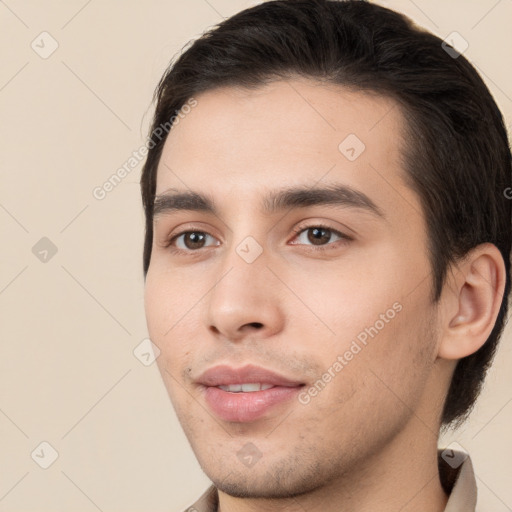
471	301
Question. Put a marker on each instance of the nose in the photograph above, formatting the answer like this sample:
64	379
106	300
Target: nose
245	300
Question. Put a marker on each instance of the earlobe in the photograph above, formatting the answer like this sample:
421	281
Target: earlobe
472	302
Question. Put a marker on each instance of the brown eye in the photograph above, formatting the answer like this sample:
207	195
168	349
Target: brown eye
319	236
194	239
191	240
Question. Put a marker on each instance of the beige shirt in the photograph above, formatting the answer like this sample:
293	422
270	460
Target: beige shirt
459	482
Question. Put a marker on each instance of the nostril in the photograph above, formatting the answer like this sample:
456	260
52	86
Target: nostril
258	325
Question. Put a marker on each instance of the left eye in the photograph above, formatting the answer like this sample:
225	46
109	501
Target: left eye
318	235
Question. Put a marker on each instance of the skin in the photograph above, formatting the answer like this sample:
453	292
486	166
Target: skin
368	440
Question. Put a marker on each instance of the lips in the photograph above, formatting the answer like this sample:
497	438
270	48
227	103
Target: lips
226	375
245	394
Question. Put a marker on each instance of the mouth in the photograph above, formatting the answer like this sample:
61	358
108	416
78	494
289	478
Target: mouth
246	388
246	394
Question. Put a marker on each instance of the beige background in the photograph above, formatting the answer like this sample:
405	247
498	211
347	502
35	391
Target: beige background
68	375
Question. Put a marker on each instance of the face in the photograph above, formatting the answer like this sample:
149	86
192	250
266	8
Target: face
289	254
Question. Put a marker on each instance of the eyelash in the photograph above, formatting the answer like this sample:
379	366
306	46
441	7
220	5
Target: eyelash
329	246
296	231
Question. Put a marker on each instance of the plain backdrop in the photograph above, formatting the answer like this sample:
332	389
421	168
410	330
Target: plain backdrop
71	283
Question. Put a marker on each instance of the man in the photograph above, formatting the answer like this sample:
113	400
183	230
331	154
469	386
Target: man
326	257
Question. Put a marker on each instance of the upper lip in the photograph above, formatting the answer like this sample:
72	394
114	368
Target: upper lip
224	375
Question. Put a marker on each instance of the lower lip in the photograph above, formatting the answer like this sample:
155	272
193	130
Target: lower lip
246	407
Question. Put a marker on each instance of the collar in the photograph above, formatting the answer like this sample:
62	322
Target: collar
463	491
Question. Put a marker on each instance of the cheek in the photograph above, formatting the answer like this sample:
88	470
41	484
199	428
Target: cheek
361	292
156	305
381	331
169	302
166	317
341	305
381	382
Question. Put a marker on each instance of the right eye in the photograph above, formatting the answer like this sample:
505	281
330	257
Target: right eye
188	241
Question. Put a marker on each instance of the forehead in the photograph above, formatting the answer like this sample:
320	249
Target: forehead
239	144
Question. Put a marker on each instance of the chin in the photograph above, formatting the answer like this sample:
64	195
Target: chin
267	488
264	481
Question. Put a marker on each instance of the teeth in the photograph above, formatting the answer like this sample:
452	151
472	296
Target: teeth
246	388
234	388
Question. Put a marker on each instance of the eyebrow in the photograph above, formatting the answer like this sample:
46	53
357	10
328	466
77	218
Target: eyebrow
285	199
